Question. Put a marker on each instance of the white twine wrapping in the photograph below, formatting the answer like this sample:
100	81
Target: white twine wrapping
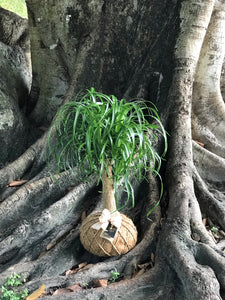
106	217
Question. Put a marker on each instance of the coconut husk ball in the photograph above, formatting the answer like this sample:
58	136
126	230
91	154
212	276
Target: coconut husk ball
94	241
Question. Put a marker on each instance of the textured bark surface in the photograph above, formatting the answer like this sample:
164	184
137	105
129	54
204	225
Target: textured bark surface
108	198
14	85
121	48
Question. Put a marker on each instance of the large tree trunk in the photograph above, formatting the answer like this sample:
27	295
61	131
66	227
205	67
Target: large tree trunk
123	48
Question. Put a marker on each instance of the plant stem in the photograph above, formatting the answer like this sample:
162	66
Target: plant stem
108	190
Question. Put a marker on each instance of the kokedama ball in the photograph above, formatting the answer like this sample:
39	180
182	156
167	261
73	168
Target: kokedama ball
93	240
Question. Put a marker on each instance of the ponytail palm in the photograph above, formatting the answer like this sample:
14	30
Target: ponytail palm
99	133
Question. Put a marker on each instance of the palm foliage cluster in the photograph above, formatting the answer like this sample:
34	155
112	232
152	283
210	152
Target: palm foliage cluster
95	130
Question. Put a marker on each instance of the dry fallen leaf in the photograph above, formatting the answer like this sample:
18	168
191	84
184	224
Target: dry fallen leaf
100	282
81	265
50	246
135	274
16	183
62	291
139	273
75	288
87	267
70	272
199	143
42	254
122	282
36	293
152	257
70	289
145	266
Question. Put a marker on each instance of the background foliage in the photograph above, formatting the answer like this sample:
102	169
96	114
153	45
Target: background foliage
17	6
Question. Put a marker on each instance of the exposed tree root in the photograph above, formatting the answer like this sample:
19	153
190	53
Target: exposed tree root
210	166
18	168
64	249
211	201
24	203
153	284
32	235
213	258
197	281
196	260
198	230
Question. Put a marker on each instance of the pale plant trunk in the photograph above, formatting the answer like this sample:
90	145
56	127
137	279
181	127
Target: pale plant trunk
108	194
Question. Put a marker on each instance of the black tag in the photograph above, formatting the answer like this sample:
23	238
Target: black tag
110	232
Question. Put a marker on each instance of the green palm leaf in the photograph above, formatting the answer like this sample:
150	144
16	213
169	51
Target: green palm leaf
95	130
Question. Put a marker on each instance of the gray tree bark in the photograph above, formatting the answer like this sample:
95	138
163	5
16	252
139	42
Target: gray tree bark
14	86
121	48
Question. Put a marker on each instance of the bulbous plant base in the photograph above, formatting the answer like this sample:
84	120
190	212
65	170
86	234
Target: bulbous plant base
124	240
